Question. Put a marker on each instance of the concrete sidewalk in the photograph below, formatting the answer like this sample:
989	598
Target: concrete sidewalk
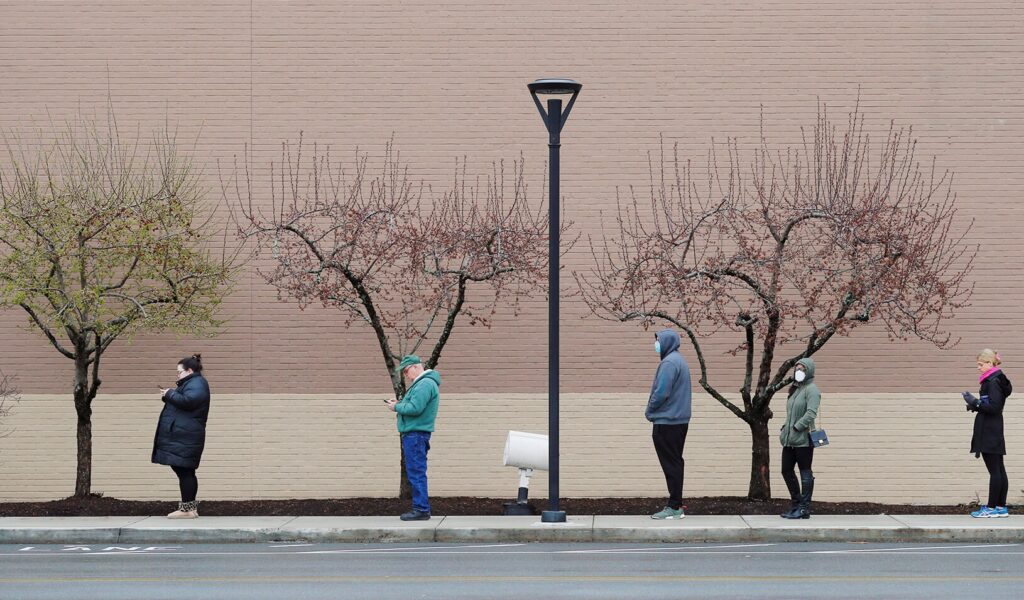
579	528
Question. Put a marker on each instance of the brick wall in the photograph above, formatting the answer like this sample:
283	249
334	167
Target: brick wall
448	80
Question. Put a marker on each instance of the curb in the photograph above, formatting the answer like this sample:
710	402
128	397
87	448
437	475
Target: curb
869	529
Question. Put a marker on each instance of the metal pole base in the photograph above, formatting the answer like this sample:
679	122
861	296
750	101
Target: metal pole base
513	509
552	516
522	506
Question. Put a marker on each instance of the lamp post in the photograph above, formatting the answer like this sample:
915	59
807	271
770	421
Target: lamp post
554	119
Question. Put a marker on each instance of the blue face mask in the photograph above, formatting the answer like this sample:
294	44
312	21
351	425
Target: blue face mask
657	347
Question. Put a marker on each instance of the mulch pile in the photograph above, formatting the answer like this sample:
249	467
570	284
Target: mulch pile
97	505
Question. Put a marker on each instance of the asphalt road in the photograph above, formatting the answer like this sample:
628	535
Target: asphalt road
257	571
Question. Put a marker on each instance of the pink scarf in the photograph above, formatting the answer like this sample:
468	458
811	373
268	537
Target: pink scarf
985	375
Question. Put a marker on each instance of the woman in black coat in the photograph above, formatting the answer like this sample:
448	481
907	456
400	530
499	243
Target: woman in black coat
988	441
181	432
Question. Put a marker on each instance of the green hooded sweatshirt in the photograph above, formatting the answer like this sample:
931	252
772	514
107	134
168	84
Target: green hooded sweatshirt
418	408
801	409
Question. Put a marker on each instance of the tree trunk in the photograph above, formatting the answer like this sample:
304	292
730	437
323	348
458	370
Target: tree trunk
404	487
83	407
760	473
83	479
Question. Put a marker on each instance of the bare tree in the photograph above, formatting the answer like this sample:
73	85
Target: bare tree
787	249
392	254
100	238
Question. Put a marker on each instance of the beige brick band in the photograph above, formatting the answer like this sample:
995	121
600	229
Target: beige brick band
885	448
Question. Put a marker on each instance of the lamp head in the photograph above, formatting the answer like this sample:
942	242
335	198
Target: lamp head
554	85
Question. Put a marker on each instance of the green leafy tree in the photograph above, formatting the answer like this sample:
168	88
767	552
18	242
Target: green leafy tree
9	396
101	238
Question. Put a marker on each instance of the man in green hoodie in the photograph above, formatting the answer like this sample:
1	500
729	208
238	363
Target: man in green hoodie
416	414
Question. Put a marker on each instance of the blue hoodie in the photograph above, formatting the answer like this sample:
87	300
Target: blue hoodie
669	403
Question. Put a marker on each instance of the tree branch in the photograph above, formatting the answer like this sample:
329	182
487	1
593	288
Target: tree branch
46	331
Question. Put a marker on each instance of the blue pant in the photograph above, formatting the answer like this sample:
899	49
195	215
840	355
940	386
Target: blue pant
415	445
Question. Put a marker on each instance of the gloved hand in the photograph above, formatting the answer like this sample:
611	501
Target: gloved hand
971	401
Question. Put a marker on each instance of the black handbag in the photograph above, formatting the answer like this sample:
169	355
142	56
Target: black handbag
818	437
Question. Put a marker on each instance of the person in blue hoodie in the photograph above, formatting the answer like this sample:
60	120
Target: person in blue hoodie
668	408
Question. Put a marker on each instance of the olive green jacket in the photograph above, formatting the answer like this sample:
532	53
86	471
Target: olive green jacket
801	409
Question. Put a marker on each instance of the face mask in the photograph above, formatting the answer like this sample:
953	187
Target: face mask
657	348
799	376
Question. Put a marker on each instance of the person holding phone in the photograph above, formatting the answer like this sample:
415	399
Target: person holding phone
417	412
988	441
181	432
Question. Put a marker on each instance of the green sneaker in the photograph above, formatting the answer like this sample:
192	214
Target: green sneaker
668	513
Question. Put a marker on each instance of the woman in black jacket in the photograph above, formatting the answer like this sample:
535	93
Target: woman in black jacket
181	432
988	441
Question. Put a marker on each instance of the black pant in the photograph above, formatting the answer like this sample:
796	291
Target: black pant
792	457
187	483
668	442
998	484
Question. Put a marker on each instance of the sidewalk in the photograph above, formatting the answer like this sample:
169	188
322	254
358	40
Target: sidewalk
579	528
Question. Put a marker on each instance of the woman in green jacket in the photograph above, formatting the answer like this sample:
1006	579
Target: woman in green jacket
797	450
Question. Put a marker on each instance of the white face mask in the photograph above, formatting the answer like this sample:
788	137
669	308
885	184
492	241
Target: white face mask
799	376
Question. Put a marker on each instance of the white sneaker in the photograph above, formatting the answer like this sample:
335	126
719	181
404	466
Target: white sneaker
186	510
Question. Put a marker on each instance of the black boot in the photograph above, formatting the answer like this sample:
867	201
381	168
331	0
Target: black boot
804	510
794	494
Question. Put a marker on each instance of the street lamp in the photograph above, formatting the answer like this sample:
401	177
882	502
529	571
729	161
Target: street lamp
554	119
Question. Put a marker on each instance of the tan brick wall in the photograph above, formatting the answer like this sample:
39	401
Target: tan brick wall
888	448
448	79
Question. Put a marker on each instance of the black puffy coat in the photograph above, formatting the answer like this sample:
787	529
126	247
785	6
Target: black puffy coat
988	423
181	430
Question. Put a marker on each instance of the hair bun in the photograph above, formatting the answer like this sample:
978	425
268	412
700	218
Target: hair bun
197	356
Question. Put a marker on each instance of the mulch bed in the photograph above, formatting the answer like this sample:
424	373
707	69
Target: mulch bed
97	505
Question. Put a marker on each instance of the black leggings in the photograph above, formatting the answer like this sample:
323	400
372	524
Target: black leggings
802	457
187	482
998	484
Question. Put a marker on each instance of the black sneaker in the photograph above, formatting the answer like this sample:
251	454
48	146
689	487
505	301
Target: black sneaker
415	515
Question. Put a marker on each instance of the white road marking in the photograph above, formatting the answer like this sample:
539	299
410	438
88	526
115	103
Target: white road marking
471	550
859	550
660	549
413	548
